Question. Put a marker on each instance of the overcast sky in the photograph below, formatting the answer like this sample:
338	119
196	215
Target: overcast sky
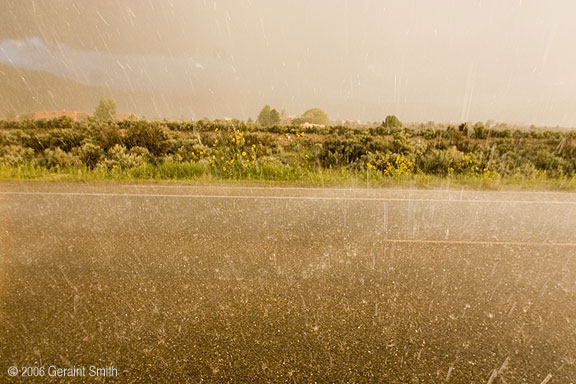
442	60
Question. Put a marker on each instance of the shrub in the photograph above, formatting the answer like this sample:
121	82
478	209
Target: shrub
544	160
186	150
106	135
211	146
65	139
151	135
341	152
511	163
57	158
390	164
119	157
265	140
16	155
16	137
90	154
450	161
403	144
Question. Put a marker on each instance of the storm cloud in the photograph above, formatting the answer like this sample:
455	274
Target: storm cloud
444	60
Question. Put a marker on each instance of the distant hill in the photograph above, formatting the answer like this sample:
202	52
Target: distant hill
24	91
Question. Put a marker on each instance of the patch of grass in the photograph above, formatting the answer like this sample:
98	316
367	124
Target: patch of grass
192	173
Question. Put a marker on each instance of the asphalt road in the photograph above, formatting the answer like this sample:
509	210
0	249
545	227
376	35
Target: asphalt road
389	214
189	283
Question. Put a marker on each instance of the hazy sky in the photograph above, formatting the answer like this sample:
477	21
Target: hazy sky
442	60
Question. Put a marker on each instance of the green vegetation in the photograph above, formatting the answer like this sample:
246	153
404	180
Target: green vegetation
105	110
216	150
314	116
268	116
391	121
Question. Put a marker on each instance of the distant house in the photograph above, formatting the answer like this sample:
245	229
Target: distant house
123	116
74	115
350	123
287	120
310	125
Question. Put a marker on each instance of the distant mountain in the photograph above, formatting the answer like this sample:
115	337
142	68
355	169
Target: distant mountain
23	91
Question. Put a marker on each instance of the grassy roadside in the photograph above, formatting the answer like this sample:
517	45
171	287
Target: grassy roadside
240	153
190	174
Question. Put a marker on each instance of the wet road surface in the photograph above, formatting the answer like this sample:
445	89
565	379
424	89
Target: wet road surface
255	284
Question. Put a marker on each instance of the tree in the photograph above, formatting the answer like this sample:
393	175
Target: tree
268	116
274	117
480	131
105	110
315	116
392	121
264	115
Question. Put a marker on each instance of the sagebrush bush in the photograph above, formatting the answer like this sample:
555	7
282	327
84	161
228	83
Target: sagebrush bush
106	135
511	163
120	157
153	136
341	152
90	154
65	139
57	158
16	155
444	162
390	164
245	149
405	144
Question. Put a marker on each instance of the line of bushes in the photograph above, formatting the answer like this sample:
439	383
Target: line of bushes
237	149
